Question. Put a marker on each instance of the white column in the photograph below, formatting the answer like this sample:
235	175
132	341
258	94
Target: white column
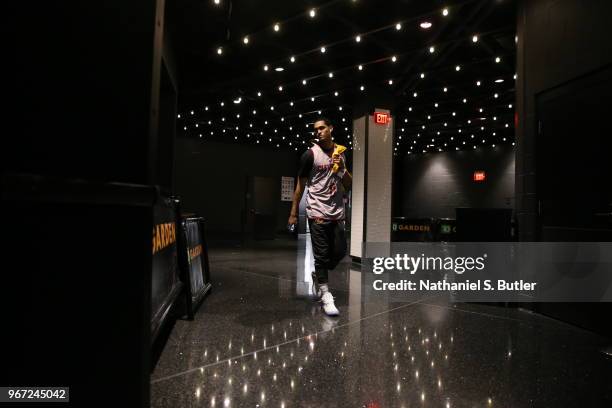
372	182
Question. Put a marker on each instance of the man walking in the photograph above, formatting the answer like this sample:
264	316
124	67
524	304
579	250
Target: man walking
322	169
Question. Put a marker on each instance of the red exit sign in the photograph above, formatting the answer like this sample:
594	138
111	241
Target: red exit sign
479	176
381	118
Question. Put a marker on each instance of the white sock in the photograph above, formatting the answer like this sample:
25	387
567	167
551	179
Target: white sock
323	288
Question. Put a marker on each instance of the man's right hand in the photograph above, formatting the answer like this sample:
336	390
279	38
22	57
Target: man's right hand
293	220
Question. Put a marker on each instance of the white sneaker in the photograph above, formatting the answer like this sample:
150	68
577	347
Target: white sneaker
328	304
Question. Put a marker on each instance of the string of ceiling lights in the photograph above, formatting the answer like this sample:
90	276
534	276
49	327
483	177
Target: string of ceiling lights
362	88
274	109
312	13
431	125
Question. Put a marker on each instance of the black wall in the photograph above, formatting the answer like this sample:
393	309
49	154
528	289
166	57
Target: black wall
558	42
433	185
212	180
82	113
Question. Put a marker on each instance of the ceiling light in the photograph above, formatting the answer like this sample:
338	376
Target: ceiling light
323	50
238	100
390	82
222	104
477	83
499	81
458	68
245	39
360	67
398	26
426	24
432	49
279	69
422	75
415	94
336	93
313	13
497	60
445	12
445	89
265	67
292	59
258	93
280	88
393	58
331	75
219	50
475	38
303	82
217	1
358	38
312	99
362	88
276	27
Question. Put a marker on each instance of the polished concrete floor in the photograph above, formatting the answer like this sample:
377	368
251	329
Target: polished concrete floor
260	340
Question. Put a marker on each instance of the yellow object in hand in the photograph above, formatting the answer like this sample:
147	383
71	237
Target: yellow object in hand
337	151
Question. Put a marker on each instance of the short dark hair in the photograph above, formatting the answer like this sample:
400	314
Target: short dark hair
328	122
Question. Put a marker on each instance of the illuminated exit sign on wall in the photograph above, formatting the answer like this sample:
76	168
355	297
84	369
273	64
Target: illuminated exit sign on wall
381	118
479	176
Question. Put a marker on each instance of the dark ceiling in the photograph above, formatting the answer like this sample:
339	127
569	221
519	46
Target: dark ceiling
464	100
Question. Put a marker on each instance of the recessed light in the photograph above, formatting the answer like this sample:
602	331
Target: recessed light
398	26
475	38
265	67
313	13
292	59
432	50
358	38
426	24
323	50
219	50
245	39
499	81
276	27
445	12
279	69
